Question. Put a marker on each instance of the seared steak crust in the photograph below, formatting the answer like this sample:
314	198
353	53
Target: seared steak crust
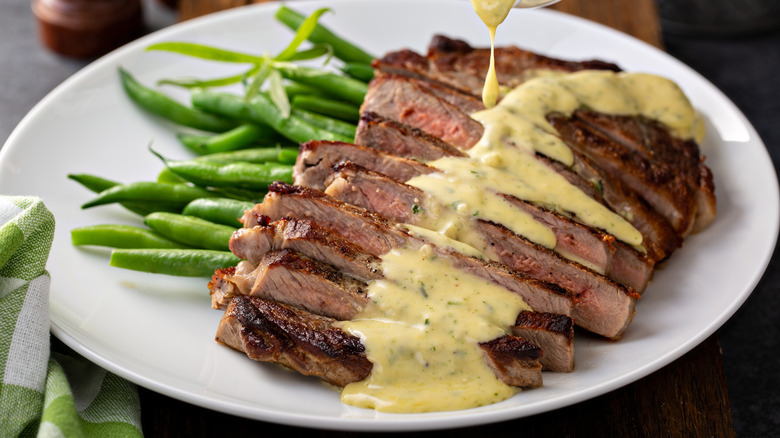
456	64
269	331
553	333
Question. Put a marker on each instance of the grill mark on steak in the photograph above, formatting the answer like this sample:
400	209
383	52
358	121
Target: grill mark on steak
309	239
377	235
291	278
268	331
553	333
406	141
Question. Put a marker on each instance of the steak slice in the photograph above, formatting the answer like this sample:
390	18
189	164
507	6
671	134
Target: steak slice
602	306
553	333
316	159
653	142
408	101
395	138
307	238
456	64
662	186
378	235
291	278
268	331
396	200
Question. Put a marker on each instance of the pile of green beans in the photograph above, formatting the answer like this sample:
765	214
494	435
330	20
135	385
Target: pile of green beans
241	143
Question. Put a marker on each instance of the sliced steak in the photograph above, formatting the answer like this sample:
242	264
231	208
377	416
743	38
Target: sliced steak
268	331
602	306
395	138
514	360
553	333
377	235
408	101
456	64
307	238
291	278
316	159
663	186
401	202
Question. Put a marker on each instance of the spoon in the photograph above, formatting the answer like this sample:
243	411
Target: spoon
531	4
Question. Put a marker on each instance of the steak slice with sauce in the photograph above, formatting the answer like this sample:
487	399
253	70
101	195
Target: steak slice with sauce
312	345
603	306
378	235
403	203
291	278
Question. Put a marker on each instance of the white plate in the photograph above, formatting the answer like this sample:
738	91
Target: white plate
158	331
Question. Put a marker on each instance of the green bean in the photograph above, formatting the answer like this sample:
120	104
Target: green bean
168	108
236	138
335	85
253	196
98	184
292	127
154	193
328	107
340	127
342	49
362	72
120	236
218	210
261	110
167	177
288	156
190	230
295	89
253	176
224	104
179	262
251	155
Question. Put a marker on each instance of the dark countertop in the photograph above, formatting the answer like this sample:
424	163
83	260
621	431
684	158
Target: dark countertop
745	68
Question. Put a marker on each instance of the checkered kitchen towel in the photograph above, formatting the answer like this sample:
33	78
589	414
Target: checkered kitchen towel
44	393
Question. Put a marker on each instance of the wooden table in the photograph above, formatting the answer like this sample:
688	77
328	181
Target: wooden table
687	398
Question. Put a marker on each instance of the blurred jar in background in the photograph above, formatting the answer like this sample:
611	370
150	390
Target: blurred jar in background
713	18
87	28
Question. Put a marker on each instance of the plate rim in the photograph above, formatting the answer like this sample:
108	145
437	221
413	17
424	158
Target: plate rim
356	424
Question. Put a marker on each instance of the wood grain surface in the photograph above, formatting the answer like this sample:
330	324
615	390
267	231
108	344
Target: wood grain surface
688	398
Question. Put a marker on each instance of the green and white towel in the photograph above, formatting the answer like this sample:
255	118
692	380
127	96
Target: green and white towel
45	393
